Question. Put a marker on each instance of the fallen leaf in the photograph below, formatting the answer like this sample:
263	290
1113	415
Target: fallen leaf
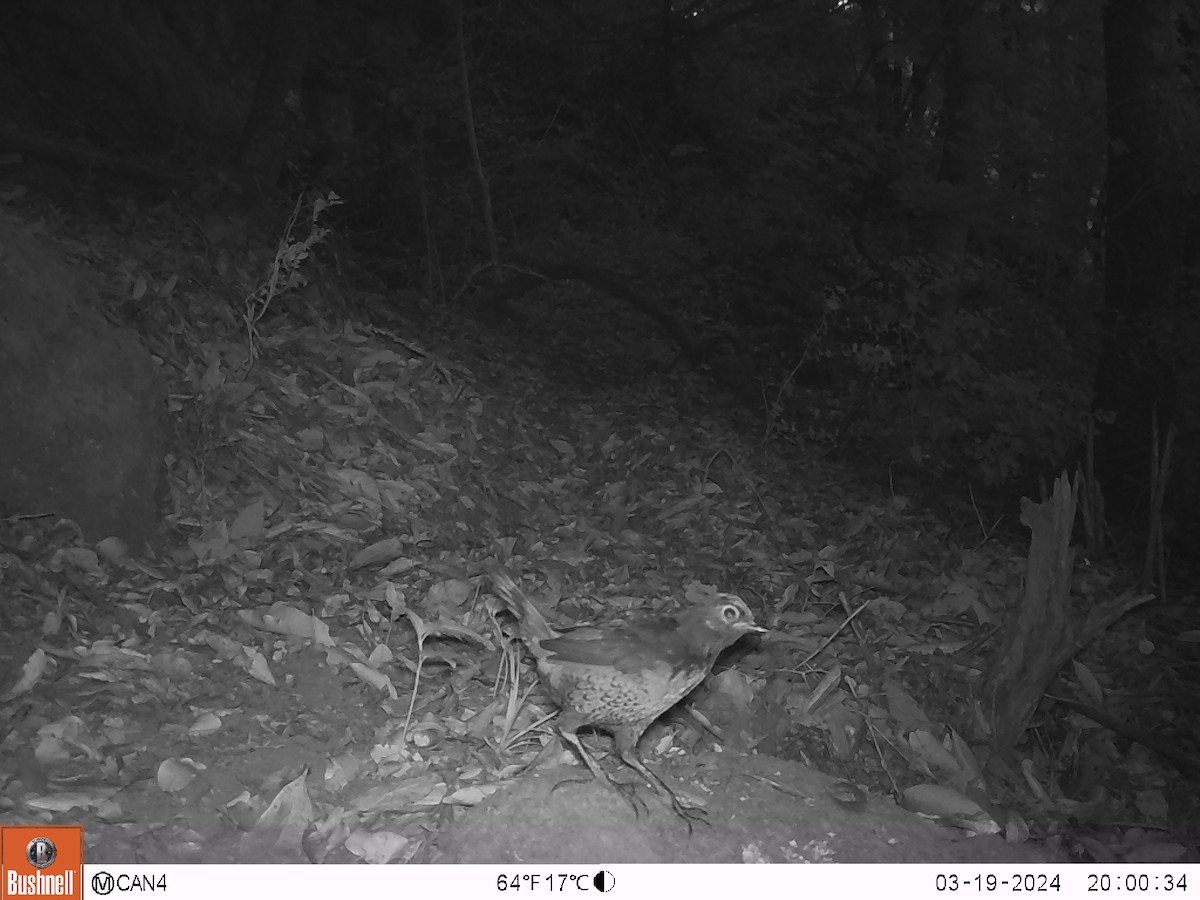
31	673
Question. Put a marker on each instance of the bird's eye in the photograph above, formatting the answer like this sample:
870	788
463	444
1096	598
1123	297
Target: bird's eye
730	613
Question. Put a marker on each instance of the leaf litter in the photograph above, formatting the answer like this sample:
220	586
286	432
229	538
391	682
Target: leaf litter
313	669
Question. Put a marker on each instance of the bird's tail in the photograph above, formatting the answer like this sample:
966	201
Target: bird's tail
533	623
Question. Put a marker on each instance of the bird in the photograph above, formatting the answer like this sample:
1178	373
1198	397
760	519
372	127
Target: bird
619	676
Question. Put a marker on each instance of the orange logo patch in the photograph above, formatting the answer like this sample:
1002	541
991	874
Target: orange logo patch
38	862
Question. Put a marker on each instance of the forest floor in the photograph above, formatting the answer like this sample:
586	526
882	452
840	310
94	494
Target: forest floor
311	666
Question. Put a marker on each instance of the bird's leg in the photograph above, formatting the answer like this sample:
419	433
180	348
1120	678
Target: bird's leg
626	742
567	728
572	738
686	812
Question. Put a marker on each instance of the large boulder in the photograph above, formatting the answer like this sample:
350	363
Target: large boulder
82	412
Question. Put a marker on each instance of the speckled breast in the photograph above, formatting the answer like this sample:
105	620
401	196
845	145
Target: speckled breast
608	697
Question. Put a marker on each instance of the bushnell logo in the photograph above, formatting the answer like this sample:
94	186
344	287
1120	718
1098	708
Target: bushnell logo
41	852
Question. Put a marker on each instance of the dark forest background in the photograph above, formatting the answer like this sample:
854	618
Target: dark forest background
954	243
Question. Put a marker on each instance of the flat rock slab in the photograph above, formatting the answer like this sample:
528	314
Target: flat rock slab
750	820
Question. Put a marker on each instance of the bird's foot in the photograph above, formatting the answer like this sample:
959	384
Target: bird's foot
626	791
688	813
685	811
567	781
629	792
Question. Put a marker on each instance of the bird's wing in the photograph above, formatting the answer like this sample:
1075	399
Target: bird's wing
609	646
625	646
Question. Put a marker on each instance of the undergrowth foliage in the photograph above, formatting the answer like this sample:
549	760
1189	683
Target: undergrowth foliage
930	374
286	268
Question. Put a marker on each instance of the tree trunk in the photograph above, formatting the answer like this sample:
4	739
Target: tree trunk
889	102
1136	376
266	134
969	66
1042	633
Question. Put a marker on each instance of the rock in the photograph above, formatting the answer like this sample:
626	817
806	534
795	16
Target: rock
82	410
759	809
